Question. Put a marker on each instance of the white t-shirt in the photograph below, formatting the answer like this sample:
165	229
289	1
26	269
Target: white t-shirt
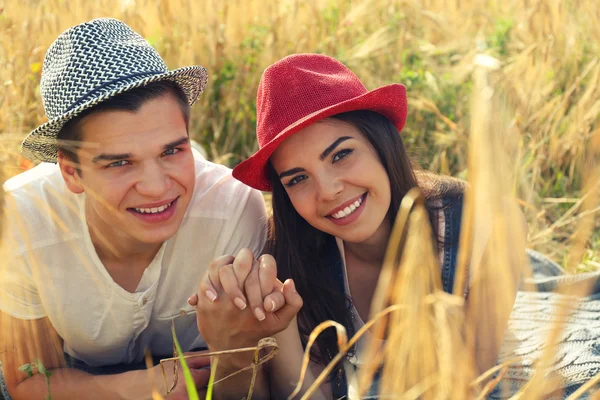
50	268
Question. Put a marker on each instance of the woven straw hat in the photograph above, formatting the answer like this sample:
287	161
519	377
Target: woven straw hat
90	63
302	89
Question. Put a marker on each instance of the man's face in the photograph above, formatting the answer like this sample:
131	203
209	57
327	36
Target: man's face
137	171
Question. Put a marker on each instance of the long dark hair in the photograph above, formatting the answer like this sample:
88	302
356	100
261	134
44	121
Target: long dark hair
304	253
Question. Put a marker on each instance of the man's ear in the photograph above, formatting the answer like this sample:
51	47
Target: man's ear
71	173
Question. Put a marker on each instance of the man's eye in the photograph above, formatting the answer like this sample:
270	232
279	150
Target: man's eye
341	154
295	180
172	151
119	163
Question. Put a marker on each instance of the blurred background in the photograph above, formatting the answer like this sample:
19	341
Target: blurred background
548	77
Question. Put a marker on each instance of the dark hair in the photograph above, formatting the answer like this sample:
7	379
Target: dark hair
131	100
304	253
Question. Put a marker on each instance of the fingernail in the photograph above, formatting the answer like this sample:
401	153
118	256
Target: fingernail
272	305
293	286
211	295
240	303
260	314
190	300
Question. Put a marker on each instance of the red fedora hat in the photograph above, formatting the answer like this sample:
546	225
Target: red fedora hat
302	89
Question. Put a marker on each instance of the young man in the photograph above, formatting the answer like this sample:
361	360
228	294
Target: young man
102	251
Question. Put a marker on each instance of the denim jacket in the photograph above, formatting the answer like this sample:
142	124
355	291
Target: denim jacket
451	207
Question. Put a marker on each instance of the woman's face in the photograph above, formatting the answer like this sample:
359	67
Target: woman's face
334	179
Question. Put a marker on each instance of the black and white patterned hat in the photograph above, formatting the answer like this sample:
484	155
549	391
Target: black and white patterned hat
90	63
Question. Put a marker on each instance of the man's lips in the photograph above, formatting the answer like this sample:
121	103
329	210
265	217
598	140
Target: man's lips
161	213
155	204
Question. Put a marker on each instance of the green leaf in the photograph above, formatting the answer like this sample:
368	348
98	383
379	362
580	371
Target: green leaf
28	369
189	381
40	367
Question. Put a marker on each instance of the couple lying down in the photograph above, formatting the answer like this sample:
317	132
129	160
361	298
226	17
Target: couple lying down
124	231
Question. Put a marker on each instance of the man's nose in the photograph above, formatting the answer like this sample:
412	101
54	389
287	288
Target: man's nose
153	181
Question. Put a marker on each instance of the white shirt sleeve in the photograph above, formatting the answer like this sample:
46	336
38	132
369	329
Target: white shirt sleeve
18	292
248	226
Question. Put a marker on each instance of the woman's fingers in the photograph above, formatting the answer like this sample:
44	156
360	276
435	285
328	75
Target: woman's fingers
274	301
253	292
293	301
206	289
193	300
213	276
242	265
245	281
230	286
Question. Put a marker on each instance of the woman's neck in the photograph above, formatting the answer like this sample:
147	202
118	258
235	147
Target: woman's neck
372	250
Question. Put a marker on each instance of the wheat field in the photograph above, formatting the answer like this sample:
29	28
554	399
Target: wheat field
522	77
549	76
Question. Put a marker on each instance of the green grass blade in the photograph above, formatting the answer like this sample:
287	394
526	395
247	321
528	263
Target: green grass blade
189	381
213	374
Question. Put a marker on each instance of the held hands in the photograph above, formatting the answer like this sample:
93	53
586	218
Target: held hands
240	301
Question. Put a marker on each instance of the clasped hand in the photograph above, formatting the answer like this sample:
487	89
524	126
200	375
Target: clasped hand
240	301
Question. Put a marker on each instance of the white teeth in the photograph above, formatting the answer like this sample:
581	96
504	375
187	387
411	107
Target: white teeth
153	210
348	210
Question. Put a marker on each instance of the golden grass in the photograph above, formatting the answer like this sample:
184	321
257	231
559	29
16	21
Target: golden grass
503	93
549	77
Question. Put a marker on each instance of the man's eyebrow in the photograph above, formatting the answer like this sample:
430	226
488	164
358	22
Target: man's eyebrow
176	143
332	147
115	157
290	172
111	157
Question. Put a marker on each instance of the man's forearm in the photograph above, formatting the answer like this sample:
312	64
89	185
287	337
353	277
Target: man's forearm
68	383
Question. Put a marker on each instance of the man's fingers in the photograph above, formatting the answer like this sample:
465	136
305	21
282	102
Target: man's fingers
267	274
230	286
200	376
253	292
242	266
198	361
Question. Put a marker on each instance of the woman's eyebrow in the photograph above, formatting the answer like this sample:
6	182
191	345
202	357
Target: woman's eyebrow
324	154
291	172
332	146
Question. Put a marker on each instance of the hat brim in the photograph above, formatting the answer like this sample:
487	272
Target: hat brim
389	101
41	144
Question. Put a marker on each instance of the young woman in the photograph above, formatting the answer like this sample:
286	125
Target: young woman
332	154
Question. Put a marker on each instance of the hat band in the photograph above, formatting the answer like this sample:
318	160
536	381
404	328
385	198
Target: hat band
92	92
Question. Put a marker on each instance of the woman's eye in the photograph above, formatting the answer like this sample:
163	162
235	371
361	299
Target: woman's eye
341	154
119	163
295	180
172	151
